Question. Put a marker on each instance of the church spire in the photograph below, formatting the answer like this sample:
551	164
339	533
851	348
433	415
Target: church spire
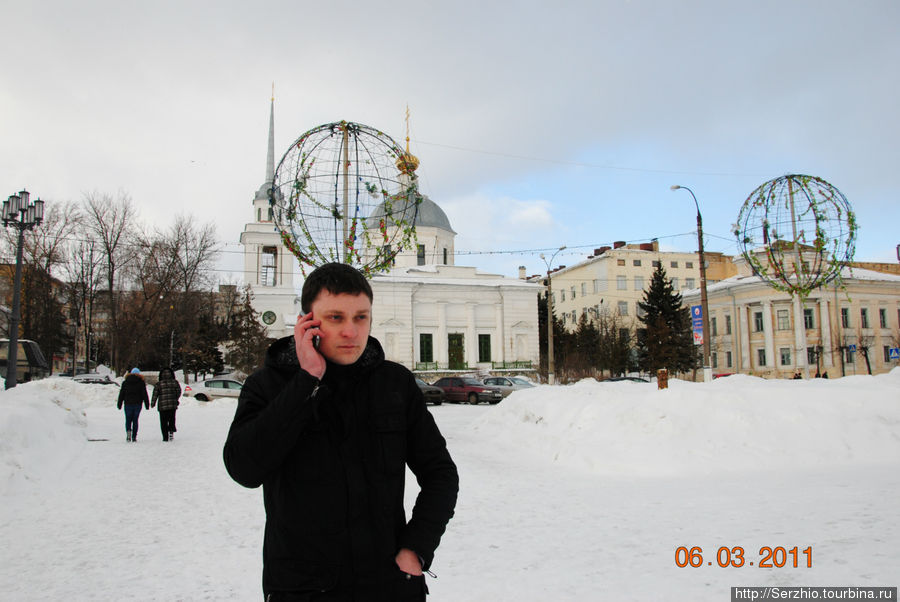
270	156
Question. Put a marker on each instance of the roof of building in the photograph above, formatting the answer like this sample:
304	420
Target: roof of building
451	275
429	215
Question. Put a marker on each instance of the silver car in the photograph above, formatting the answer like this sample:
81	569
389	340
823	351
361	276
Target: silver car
507	384
213	388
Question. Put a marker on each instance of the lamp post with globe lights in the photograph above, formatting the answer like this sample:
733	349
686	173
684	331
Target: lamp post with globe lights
21	214
550	366
704	306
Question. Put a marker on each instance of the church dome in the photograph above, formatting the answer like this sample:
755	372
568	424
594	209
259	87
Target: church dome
430	215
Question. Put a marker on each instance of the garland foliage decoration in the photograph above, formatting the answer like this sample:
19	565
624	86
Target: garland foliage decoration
343	192
796	232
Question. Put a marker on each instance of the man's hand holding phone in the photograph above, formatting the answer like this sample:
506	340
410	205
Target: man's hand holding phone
306	337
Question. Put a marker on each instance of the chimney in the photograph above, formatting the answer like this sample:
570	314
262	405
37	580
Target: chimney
646	246
618	244
603	250
521	272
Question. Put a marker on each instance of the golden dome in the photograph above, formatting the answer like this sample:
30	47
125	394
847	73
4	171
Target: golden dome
407	163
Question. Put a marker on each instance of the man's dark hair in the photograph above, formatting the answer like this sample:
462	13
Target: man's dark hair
337	279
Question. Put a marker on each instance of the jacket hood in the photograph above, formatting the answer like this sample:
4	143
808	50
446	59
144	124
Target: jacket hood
282	355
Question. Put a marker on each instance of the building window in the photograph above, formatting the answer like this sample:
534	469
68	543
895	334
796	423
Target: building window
714	359
623	308
484	348
728	324
267	266
864	317
845	317
596	286
882	318
675	283
689	283
572	290
673	264
562	295
728	359
426	348
812	356
757	321
887	354
761	357
712	327
689	264
656	264
784	319
638	283
808	321
620	262
636	262
621	284
446	255
785	354
584	289
420	254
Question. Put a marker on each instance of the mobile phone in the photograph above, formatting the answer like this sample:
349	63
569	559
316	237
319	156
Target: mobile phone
316	339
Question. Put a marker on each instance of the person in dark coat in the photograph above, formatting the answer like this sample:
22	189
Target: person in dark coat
167	392
133	394
328	427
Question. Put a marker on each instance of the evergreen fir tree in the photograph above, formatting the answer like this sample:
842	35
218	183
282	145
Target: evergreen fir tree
247	342
666	341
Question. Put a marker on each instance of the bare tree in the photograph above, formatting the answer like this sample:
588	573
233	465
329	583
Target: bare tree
110	220
84	282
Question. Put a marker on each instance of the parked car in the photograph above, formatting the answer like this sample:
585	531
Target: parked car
507	384
213	388
30	361
93	378
470	390
433	395
634	379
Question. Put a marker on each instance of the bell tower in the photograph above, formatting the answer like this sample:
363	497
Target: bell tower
268	265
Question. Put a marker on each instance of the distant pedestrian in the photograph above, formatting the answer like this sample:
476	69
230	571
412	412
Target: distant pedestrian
167	391
132	394
825	374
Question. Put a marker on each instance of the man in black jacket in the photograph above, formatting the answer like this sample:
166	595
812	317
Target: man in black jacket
328	427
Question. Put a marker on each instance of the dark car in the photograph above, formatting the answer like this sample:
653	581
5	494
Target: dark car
433	395
468	390
634	379
92	378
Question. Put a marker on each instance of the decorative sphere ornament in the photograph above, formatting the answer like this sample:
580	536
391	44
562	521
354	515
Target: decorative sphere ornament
346	192
796	232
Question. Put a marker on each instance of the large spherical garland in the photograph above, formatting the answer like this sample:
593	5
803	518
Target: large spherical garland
796	232
329	182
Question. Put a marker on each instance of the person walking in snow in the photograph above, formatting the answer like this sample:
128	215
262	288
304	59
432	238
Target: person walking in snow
328	427
132	395
166	392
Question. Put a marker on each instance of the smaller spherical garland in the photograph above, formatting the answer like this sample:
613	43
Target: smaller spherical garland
796	232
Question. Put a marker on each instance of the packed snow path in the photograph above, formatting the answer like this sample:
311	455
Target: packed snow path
163	521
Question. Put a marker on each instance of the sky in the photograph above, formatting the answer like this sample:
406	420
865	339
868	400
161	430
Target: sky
578	492
537	124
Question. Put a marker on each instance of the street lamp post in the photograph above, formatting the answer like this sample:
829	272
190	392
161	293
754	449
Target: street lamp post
550	366
704	305
23	215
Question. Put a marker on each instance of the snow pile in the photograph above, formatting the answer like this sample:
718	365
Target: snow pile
739	423
42	426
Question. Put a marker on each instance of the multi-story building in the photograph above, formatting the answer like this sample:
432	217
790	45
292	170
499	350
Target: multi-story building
758	330
613	279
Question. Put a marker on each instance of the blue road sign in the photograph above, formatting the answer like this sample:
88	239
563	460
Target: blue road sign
894	353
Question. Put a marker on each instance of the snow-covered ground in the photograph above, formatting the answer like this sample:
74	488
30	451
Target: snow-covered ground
581	492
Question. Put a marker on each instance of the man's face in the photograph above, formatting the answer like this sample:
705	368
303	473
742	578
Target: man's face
346	322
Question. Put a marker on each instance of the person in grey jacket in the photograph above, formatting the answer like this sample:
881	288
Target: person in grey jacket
167	392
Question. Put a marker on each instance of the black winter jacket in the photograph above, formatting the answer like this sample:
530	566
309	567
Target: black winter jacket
133	390
332	458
